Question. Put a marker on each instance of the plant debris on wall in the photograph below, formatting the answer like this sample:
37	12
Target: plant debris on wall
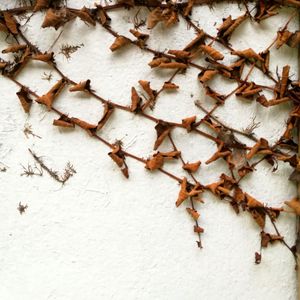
241	159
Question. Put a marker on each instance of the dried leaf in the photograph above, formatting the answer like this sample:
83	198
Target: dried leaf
162	130
187	190
14	48
118	157
10	22
180	53
41	4
198	229
85	15
155	162
45	57
294	204
284	80
206	75
172	65
194	214
170	86
108	110
213	53
157	61
192	167
252	202
25	100
48	98
267	238
81	86
135	100
146	87
119	42
154	17
188	123
248	54
57	18
64	121
90	128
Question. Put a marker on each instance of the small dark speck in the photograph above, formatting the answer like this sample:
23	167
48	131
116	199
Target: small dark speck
21	208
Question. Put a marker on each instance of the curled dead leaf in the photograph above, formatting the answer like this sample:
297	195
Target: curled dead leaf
81	86
25	99
118	157
119	42
194	214
188	123
294	204
192	167
64	121
48	98
14	48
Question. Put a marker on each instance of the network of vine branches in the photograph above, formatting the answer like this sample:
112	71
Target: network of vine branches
241	158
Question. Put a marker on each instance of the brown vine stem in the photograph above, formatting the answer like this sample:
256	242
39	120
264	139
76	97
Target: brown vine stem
278	233
95	135
249	136
195	180
116	105
191	23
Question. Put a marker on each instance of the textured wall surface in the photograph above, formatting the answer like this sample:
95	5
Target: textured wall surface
104	237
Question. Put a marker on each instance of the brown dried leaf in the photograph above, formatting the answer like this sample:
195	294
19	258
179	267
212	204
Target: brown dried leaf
84	125
108	110
41	4
48	98
282	38
10	22
135	100
154	17
206	75
162	130
158	159
57	18
146	87
81	86
248	54
252	202
284	80
192	167
180	53
188	123
24	98
294	204
85	15
172	65
259	217
170	86
14	48
188	8
119	42
213	53
45	57
194	214
64	121
155	162
118	157
267	238
157	61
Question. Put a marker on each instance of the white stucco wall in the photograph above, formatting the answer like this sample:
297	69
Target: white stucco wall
104	237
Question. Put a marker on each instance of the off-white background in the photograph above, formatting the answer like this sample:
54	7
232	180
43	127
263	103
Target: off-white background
103	237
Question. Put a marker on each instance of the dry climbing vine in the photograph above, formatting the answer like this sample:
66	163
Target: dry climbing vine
241	159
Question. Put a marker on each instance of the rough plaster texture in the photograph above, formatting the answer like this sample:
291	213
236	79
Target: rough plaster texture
103	237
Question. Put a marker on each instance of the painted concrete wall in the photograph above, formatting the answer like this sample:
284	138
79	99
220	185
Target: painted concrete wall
103	237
